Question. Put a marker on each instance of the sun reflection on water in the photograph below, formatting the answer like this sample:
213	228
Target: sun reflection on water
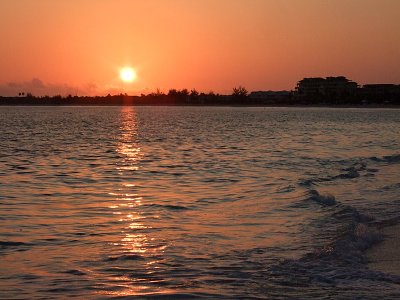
134	239
129	203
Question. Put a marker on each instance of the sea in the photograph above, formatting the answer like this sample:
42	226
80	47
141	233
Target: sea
196	202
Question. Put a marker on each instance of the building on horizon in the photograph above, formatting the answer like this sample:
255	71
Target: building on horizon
337	89
382	92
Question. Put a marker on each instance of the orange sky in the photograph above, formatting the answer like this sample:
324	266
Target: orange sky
78	47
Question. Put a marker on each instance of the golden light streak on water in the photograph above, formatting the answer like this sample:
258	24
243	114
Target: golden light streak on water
128	205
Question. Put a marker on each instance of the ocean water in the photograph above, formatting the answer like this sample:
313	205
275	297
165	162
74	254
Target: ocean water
195	202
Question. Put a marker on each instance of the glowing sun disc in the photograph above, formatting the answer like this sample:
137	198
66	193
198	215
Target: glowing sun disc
127	74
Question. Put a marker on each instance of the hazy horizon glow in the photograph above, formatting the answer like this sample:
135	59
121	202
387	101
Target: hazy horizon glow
59	47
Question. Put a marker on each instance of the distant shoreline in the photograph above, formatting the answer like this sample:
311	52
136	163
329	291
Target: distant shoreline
211	99
369	106
309	92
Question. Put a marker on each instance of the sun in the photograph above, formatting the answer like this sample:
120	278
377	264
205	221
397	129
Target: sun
127	74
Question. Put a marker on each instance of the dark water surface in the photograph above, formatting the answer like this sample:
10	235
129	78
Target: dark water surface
101	202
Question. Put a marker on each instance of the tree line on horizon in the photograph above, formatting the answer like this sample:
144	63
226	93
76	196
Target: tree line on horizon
239	96
172	97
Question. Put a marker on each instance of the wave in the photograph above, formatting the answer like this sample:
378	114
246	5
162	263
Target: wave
168	206
394	186
75	272
391	159
8	244
342	261
326	200
388	222
125	257
358	168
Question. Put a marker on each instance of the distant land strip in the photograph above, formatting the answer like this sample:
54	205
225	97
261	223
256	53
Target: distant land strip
316	91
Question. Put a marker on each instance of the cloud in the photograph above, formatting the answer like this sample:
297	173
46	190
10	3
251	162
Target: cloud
38	88
37	83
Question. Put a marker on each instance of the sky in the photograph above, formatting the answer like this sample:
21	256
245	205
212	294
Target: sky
78	47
